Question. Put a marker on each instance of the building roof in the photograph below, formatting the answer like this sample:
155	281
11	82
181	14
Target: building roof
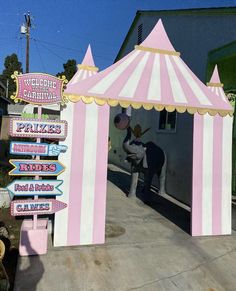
195	11
153	76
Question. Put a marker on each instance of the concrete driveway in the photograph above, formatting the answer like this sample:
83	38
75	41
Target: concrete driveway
147	248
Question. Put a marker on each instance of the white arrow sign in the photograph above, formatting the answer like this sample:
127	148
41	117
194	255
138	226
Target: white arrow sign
34	187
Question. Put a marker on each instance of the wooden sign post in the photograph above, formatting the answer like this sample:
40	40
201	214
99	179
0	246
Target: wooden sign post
39	89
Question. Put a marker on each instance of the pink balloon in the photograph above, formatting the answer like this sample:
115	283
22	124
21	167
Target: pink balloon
121	121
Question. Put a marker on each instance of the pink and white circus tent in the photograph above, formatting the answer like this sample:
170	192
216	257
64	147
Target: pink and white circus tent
85	180
216	86
154	76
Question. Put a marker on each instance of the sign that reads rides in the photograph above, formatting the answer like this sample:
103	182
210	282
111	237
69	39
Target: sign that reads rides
38	88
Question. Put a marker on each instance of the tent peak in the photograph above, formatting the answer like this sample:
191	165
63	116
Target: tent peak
88	58
215	79
158	39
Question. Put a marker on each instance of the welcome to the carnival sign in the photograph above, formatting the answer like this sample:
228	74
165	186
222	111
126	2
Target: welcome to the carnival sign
38	88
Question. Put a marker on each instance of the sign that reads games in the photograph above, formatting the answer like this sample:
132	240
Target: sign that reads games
54	129
38	88
38	206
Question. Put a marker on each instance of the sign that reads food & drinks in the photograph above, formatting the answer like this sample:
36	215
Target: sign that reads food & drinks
34	187
38	88
55	129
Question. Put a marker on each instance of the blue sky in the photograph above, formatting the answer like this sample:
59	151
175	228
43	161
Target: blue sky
64	28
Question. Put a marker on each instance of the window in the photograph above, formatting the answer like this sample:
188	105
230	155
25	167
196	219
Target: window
167	121
140	33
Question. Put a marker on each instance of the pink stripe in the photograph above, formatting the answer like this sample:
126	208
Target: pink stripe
196	223
166	92
74	208
212	97
101	175
217	175
87	84
120	82
141	91
190	96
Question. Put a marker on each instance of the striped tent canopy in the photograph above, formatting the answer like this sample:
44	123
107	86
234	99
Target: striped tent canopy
153	76
216	86
86	69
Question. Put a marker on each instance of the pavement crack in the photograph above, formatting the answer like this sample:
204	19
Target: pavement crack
182	272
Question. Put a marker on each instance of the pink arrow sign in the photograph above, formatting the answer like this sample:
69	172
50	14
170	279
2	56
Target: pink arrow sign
37	206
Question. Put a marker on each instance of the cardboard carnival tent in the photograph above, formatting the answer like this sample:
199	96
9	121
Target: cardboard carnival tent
152	76
84	187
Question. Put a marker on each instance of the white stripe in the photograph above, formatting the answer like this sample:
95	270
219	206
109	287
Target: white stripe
89	174
199	94
222	95
61	217
132	83
207	175
154	91
107	81
76	78
85	75
176	88
226	174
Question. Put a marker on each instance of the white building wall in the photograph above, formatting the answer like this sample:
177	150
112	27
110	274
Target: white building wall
177	145
193	34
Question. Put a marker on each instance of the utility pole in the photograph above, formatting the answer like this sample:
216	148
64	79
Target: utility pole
27	32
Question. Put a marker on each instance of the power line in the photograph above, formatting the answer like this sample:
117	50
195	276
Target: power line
41	59
71	49
52	52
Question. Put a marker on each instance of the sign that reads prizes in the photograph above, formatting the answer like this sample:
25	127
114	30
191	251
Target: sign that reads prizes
38	88
38	206
54	129
36	167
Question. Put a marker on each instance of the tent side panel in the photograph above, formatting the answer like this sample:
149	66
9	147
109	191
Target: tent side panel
85	178
211	187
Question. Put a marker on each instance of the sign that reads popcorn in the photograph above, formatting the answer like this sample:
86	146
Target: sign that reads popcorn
38	88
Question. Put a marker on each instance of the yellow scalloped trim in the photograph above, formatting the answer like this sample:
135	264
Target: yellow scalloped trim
147	106
112	102
181	109
100	101
191	110
159	107
88	68
215	84
170	108
154	50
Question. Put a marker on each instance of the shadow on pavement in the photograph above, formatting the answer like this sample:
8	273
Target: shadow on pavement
33	273
166	208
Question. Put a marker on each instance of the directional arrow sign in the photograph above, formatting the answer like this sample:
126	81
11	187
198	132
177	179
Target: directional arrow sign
40	149
37	206
36	167
34	187
22	127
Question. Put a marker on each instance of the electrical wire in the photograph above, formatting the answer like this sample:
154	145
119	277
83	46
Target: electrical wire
41	59
71	49
52	52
